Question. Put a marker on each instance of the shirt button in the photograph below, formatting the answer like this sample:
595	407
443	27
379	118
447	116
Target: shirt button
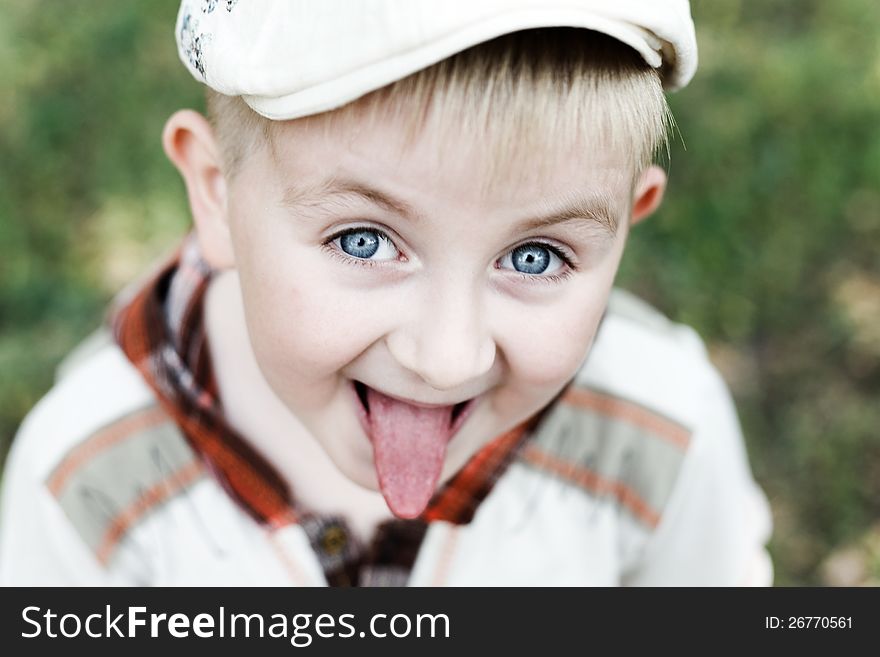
333	540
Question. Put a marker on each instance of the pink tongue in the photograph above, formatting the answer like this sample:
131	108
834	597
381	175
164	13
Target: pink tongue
409	447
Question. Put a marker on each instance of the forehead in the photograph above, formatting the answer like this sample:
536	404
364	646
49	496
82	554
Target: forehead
440	160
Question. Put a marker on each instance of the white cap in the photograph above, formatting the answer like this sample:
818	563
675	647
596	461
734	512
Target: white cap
292	58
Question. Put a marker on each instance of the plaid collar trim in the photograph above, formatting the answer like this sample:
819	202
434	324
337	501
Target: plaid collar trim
160	328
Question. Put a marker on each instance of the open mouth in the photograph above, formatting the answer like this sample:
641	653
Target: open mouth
361	390
409	442
460	411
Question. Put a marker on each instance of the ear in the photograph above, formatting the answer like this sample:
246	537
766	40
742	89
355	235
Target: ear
189	143
648	193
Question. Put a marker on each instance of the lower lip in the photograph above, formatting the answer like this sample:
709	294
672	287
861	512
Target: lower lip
364	416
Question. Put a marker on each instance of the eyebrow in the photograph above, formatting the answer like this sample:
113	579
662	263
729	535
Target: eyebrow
596	209
341	188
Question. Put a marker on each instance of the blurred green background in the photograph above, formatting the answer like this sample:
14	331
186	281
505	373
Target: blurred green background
768	243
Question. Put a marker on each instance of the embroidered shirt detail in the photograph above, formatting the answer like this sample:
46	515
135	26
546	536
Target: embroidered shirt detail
613	449
113	480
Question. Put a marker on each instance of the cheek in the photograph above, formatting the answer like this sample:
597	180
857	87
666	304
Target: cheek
547	352
301	324
301	328
545	346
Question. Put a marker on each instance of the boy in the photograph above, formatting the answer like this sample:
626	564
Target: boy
368	365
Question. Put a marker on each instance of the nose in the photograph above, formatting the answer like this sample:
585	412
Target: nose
445	341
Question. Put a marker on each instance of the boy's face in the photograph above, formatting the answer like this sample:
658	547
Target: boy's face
362	259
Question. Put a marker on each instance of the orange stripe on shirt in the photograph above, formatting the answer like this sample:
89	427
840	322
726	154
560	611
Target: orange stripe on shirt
593	482
628	412
104	438
152	497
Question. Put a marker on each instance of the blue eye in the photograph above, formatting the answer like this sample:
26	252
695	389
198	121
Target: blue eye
532	260
364	244
360	244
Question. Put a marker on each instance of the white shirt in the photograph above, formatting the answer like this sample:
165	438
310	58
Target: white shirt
638	477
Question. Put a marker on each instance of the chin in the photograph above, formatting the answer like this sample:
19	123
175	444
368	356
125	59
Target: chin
353	461
365	480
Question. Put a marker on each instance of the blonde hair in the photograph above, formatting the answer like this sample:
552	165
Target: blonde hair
517	94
